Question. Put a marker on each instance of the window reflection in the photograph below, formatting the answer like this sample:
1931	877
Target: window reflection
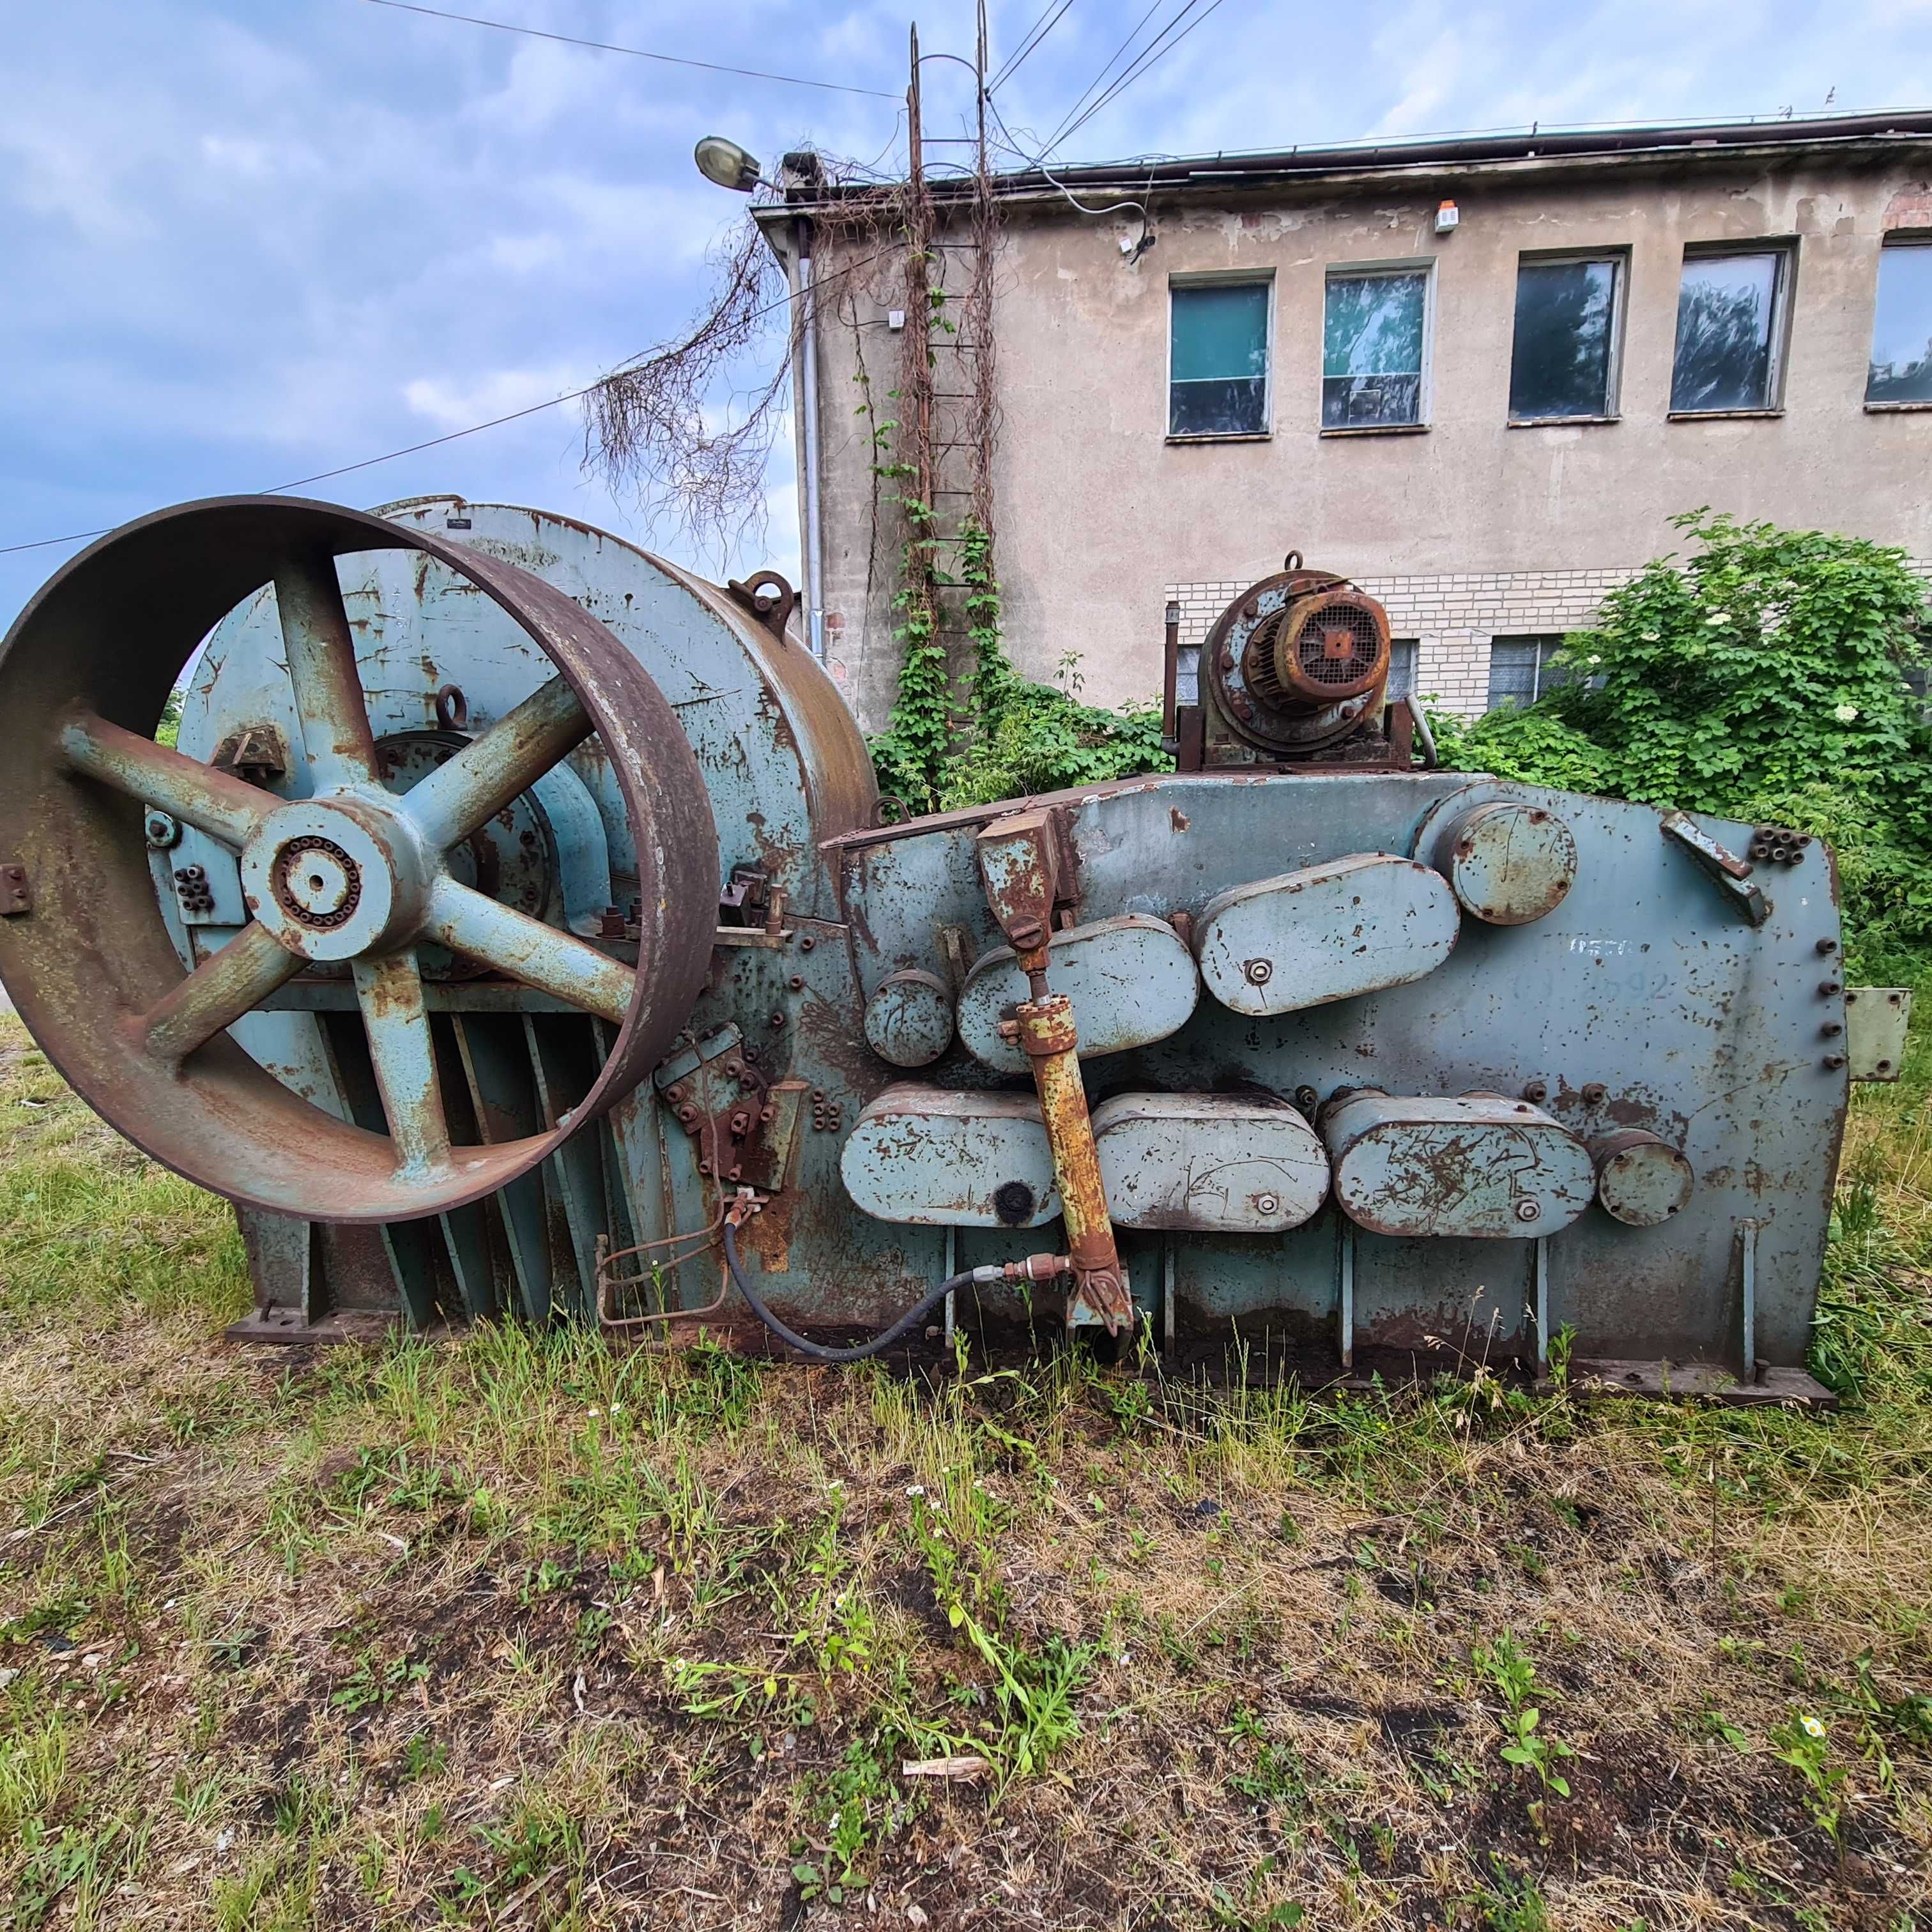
1901	351
1727	326
1560	363
1372	333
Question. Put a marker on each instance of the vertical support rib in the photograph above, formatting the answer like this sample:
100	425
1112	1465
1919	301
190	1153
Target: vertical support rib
394	1011
1748	1283
1345	1317
1542	1313
321	653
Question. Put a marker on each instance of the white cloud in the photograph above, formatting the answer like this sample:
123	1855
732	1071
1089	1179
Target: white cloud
456	405
245	243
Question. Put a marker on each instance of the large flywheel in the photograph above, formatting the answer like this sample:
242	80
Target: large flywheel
353	875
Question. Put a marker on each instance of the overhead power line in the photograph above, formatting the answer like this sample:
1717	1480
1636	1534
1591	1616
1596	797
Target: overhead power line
1133	35
1160	45
636	53
454	435
1040	29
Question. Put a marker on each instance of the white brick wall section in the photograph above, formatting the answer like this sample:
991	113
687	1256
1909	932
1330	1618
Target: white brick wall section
1453	617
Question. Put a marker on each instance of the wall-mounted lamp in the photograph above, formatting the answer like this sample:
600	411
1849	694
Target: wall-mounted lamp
726	163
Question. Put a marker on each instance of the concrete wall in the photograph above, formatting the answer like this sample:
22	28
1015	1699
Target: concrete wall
1467	528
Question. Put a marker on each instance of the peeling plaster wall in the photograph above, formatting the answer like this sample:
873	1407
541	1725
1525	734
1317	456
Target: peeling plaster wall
1099	515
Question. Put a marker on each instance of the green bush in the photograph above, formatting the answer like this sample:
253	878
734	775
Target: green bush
1760	679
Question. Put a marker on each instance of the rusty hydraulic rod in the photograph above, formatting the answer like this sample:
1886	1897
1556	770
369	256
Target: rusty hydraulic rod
1020	868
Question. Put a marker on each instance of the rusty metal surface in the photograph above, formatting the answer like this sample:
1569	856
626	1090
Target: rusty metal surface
1048	1037
1508	862
931	1156
1325	933
1297	663
909	1021
1475	1167
1643	1001
1209	1163
1131	979
1642	1180
1876	1020
95	956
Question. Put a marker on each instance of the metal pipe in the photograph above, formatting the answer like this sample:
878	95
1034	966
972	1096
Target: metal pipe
1170	677
808	390
1424	737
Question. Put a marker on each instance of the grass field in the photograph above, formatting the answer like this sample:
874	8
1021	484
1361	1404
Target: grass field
521	1631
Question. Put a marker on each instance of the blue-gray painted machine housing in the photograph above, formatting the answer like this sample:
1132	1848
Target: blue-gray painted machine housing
1370	1034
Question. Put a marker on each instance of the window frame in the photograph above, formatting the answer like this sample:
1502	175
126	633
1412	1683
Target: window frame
1783	290
1411	647
1223	278
1893	239
1617	255
1546	642
1425	394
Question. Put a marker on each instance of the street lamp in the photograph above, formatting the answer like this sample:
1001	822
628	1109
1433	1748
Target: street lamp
726	163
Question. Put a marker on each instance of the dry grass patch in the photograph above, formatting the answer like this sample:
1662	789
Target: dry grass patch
518	1631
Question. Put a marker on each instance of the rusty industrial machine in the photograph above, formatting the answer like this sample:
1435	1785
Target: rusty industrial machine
510	924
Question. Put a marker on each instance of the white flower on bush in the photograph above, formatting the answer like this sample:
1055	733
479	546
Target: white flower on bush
1650	637
1718	617
1593	659
1845	713
1813	1729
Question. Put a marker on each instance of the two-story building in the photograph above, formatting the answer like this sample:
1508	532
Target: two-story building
1479	376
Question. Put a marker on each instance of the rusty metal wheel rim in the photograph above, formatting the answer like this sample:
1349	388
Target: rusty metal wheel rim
84	673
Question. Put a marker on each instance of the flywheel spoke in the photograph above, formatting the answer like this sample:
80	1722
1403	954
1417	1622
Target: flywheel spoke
471	788
321	652
526	950
225	985
215	801
390	992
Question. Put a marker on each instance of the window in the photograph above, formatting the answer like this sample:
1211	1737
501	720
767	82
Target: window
1218	361
1520	670
1374	342
1563	363
1901	350
1730	324
1402	670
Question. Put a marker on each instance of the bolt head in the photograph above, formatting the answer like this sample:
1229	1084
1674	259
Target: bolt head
1268	1204
1527	1209
1536	1090
1259	971
1593	1093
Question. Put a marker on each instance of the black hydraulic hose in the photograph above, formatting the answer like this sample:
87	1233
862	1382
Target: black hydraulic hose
818	1350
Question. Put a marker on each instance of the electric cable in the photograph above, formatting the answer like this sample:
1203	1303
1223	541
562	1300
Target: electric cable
1154	53
1013	66
1133	34
636	53
454	435
819	1352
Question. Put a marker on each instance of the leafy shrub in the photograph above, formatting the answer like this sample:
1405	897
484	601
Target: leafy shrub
1760	679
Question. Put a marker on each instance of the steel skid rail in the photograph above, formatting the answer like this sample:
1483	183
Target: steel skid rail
510	921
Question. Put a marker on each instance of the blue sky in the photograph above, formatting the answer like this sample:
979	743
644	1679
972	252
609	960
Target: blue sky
249	240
